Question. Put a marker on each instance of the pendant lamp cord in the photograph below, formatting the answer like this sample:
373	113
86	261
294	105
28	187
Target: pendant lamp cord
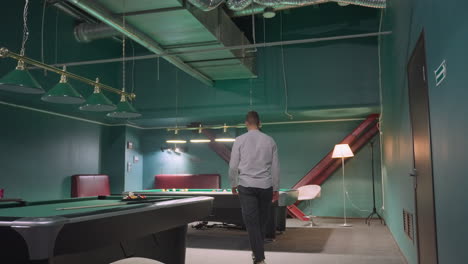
285	83
250	95
177	96
123	52
157	62
25	27
56	35
42	34
133	66
254	38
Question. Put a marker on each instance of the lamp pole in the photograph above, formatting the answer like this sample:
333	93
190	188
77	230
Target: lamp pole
374	210
344	195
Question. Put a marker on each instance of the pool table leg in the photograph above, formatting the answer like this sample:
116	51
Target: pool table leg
281	218
172	242
271	224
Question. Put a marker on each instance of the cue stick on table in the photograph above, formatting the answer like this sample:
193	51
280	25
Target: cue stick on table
89	206
106	205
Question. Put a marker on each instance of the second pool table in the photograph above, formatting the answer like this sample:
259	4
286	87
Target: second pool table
226	206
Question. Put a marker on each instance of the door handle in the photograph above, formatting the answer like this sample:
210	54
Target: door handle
414	173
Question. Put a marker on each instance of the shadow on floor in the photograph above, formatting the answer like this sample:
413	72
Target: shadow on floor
301	240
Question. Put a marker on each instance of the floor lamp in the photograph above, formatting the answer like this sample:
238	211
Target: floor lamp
342	151
374	210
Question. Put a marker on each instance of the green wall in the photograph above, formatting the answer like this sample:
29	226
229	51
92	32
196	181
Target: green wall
133	169
40	152
113	157
445	25
300	148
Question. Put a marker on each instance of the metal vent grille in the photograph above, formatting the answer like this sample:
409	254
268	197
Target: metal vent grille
408	226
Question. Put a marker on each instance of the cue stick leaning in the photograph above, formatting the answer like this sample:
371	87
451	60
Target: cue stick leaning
89	206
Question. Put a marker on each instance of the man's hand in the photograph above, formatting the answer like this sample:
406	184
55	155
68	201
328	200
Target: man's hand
275	196
234	190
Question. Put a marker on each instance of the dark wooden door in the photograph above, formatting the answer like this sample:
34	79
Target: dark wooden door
424	185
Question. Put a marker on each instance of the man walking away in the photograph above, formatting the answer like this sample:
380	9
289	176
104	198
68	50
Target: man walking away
254	174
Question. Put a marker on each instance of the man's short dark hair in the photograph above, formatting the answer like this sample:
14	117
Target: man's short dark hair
253	118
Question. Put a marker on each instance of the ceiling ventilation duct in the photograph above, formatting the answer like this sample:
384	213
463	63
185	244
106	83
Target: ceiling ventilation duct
206	5
86	32
237	5
248	7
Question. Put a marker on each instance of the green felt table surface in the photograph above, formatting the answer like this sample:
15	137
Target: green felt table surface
49	208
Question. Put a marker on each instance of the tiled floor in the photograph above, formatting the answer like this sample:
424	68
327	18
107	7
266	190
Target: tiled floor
326	244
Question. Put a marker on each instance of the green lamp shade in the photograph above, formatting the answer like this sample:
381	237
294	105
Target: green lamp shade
124	110
20	81
63	93
98	102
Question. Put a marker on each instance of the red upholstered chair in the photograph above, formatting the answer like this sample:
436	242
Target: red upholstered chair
90	185
187	181
1	193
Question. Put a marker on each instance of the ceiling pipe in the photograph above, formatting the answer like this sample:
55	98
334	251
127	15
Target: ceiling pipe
237	47
86	32
108	18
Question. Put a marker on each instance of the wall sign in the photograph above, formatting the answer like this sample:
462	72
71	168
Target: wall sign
441	73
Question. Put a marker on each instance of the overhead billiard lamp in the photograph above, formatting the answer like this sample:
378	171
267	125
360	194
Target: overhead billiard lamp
200	138
176	139
269	12
342	151
97	101
225	136
20	80
124	109
63	93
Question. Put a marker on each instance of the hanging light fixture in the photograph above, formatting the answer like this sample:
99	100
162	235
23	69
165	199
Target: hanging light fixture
200	138
20	80
176	139
124	107
63	93
225	137
269	12
98	102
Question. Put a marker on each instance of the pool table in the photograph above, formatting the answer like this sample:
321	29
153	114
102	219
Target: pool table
226	206
96	230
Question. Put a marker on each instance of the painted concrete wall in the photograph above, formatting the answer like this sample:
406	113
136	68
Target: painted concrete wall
133	160
40	152
445	26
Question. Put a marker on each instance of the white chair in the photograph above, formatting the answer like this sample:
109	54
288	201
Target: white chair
309	193
136	261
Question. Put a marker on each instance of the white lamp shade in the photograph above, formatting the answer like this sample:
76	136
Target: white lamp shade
342	151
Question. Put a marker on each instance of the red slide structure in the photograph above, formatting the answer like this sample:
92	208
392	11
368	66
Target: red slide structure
327	166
